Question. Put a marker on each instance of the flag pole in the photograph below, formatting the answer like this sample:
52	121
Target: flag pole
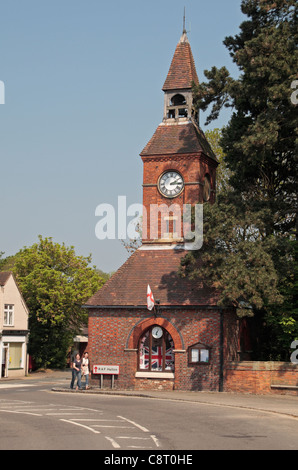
156	309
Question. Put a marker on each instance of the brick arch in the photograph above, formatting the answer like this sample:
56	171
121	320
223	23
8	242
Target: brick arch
140	328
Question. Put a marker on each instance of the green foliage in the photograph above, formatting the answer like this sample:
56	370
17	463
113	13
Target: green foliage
283	320
6	264
236	257
223	174
55	283
260	141
1	260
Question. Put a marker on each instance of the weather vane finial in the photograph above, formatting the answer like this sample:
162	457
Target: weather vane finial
184	28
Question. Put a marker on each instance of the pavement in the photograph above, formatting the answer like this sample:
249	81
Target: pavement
285	405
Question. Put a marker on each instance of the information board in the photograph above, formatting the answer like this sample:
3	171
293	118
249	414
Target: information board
106	369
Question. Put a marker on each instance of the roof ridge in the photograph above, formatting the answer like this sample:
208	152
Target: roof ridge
4	276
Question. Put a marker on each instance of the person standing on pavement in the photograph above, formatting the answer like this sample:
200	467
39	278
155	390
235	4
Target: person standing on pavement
86	368
73	372
77	367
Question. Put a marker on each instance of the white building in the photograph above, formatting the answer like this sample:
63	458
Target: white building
13	328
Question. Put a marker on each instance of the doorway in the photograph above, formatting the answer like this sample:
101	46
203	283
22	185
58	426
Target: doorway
4	365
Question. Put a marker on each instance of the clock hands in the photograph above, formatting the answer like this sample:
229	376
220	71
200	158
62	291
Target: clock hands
171	184
175	182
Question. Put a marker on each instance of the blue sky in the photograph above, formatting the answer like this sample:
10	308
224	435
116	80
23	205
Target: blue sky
83	96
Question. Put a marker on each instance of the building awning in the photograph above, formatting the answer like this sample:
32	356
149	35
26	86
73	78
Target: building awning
80	339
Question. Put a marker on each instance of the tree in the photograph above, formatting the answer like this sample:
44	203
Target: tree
260	141
236	257
250	234
133	244
6	264
55	283
1	260
223	173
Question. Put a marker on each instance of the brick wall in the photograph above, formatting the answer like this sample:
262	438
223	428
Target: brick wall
113	339
262	378
192	168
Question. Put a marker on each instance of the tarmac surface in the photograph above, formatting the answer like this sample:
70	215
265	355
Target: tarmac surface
278	404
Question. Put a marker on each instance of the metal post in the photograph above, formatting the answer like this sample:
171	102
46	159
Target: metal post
221	352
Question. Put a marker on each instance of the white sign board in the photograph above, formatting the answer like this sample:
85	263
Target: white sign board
109	370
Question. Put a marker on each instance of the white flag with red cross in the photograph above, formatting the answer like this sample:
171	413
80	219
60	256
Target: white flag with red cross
150	298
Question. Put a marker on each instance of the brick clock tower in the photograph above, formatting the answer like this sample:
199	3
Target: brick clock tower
186	341
179	165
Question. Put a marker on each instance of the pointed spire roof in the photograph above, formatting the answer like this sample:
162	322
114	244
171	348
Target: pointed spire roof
182	71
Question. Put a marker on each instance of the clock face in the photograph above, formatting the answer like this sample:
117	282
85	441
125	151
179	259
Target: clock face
170	184
157	332
206	188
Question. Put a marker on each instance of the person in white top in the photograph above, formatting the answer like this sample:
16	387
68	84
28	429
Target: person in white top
85	368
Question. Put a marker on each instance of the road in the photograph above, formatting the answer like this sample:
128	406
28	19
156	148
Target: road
32	416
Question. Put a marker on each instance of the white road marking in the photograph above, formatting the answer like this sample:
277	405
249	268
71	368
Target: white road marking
155	440
134	437
6	385
11	404
139	447
109	426
114	443
95	419
34	408
90	424
20	412
82	425
63	413
135	424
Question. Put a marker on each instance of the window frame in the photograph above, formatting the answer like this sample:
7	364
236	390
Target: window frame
199	347
8	317
150	370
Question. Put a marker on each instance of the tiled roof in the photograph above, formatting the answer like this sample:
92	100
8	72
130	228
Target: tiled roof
159	269
4	278
182	71
177	139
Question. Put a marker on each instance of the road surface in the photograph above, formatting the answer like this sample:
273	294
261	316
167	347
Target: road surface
34	417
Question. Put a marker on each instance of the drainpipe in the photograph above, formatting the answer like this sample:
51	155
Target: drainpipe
221	351
1	352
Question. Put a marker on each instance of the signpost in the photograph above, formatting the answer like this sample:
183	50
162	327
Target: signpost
106	370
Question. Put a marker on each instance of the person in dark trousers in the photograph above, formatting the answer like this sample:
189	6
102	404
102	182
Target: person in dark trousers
73	372
76	370
73	376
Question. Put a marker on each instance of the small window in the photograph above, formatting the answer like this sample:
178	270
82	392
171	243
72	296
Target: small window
199	354
182	112
8	315
171	114
171	227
